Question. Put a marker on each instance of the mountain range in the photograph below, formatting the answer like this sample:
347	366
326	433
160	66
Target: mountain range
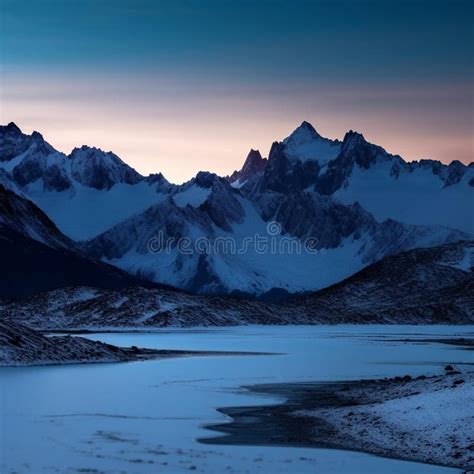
355	203
421	286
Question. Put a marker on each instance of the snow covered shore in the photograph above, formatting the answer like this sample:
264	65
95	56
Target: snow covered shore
428	419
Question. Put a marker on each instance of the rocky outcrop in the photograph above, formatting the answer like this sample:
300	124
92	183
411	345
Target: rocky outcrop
22	346
254	165
97	169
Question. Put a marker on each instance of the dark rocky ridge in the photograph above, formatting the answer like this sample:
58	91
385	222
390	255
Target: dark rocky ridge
434	284
20	346
20	215
253	165
30	267
37	257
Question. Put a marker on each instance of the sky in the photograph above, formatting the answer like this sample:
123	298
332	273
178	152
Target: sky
181	86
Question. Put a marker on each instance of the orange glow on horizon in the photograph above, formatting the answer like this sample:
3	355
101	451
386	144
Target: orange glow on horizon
179	130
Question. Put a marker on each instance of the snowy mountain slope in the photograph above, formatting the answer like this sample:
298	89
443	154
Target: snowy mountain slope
354	170
6	180
423	285
229	227
99	187
425	192
85	212
354	201
415	196
183	215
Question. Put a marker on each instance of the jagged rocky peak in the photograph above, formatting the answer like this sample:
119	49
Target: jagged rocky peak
284	174
12	142
254	164
206	179
356	149
295	163
98	169
35	162
276	151
456	171
36	136
353	139
13	132
89	152
161	184
156	178
435	166
11	128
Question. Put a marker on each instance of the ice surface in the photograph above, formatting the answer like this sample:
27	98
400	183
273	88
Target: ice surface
135	417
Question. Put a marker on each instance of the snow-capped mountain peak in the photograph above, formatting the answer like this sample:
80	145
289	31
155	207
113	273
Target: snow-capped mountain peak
305	132
14	145
98	169
305	143
358	202
29	158
100	188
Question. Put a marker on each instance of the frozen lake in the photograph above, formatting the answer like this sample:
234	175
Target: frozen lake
146	417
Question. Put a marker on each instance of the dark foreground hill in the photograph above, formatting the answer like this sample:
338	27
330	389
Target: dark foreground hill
35	256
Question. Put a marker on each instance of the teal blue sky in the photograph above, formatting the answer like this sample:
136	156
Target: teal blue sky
381	62
306	39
